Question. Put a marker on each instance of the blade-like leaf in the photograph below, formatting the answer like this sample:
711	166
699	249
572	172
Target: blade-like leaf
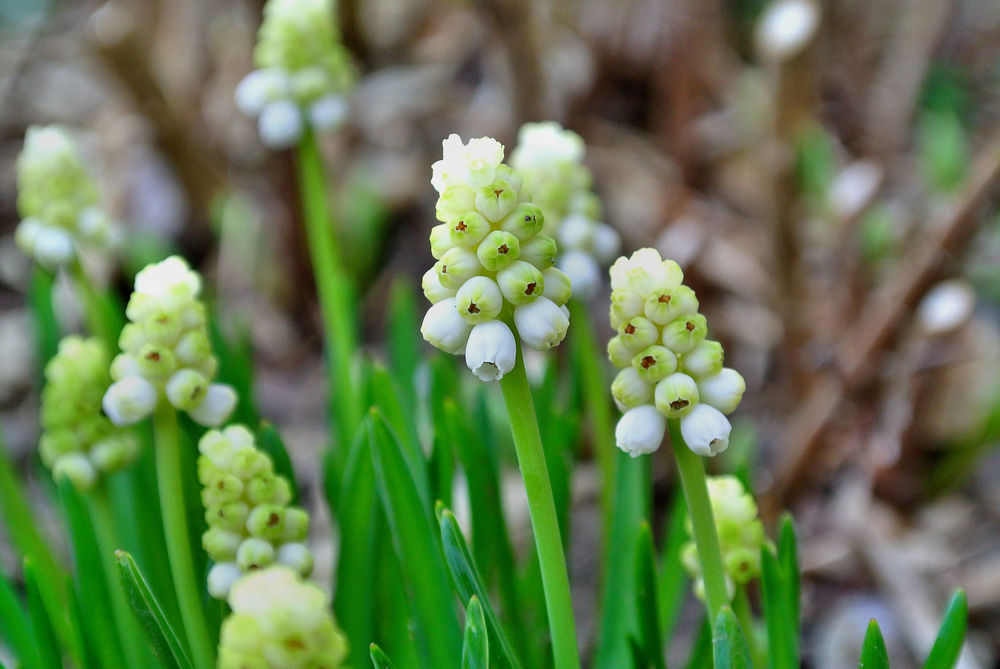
386	399
701	651
646	590
476	643
729	645
788	560
379	659
948	645
159	630
41	621
673	577
782	639
419	554
873	653
15	627
468	584
402	342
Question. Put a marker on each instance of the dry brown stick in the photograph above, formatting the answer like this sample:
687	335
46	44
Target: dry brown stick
880	320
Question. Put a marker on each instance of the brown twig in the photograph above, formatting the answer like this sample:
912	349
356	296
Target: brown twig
879	322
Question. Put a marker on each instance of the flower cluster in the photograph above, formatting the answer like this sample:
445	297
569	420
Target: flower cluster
740	531
279	622
250	524
669	370
57	198
165	351
303	75
493	265
549	159
78	440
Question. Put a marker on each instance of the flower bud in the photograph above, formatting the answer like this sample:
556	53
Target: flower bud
496	200
156	361
683	334
328	112
232	516
445	328
706	430
267	521
254	553
521	282
186	389
221	578
498	250
540	251
640	430
77	469
583	272
268	488
479	300
129	400
723	390
26	233
296	525
53	247
576	232
606	243
433	290
638	333
524	221
259	88
619	354
193	348
280	124
114	452
214	409
645	272
676	395
705	359
440	240
625	305
541	324
454	202
221	544
630	390
557	286
456	266
654	363
491	351
668	304
296	556
468	230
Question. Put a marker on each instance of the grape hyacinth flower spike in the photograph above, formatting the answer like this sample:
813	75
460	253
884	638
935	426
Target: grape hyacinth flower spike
303	73
494	268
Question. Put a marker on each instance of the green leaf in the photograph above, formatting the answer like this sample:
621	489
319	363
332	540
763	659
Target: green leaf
379	659
476	643
235	355
701	651
386	399
419	554
782	639
646	590
401	337
468	584
270	441
873	653
729	645
673	580
948	645
15	627
788	560
160	633
41	620
47	332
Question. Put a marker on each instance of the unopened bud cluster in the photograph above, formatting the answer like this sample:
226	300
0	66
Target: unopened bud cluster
279	621
250	525
550	160
166	354
57	198
740	531
303	75
78	441
493	263
669	369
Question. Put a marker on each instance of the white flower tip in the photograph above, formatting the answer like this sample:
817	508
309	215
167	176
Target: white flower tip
640	430
129	400
491	350
296	556
53	247
445	328
706	430
280	124
328	112
583	271
219	402
946	306
221	578
541	324
786	28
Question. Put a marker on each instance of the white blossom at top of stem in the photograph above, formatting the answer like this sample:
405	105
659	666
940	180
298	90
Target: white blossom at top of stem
473	164
706	430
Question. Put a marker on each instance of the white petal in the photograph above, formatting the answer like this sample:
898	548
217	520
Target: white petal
280	124
583	272
706	430
328	112
221	578
129	400
640	430
444	327
53	247
219	402
541	324
491	351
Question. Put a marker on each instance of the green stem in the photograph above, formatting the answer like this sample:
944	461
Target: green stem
93	312
692	473
335	292
128	629
170	483
741	607
544	521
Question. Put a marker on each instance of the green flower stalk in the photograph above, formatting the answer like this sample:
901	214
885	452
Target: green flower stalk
250	525
550	160
78	441
303	75
57	199
166	355
740	531
279	622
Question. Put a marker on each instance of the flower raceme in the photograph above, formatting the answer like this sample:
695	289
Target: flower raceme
493	265
250	525
57	199
550	160
303	74
166	355
78	441
669	370
279	621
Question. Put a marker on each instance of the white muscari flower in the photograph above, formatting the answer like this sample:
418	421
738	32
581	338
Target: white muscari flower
521	282
540	144
329	112
280	124
645	272
723	390
630	390
558	286
706	430
705	359
785	28
479	300
77	468
640	430
216	406
259	88
583	271
433	290
53	247
676	395
129	400
297	556
541	324
946	306
491	350
473	164
445	328
221	578
606	243
576	232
